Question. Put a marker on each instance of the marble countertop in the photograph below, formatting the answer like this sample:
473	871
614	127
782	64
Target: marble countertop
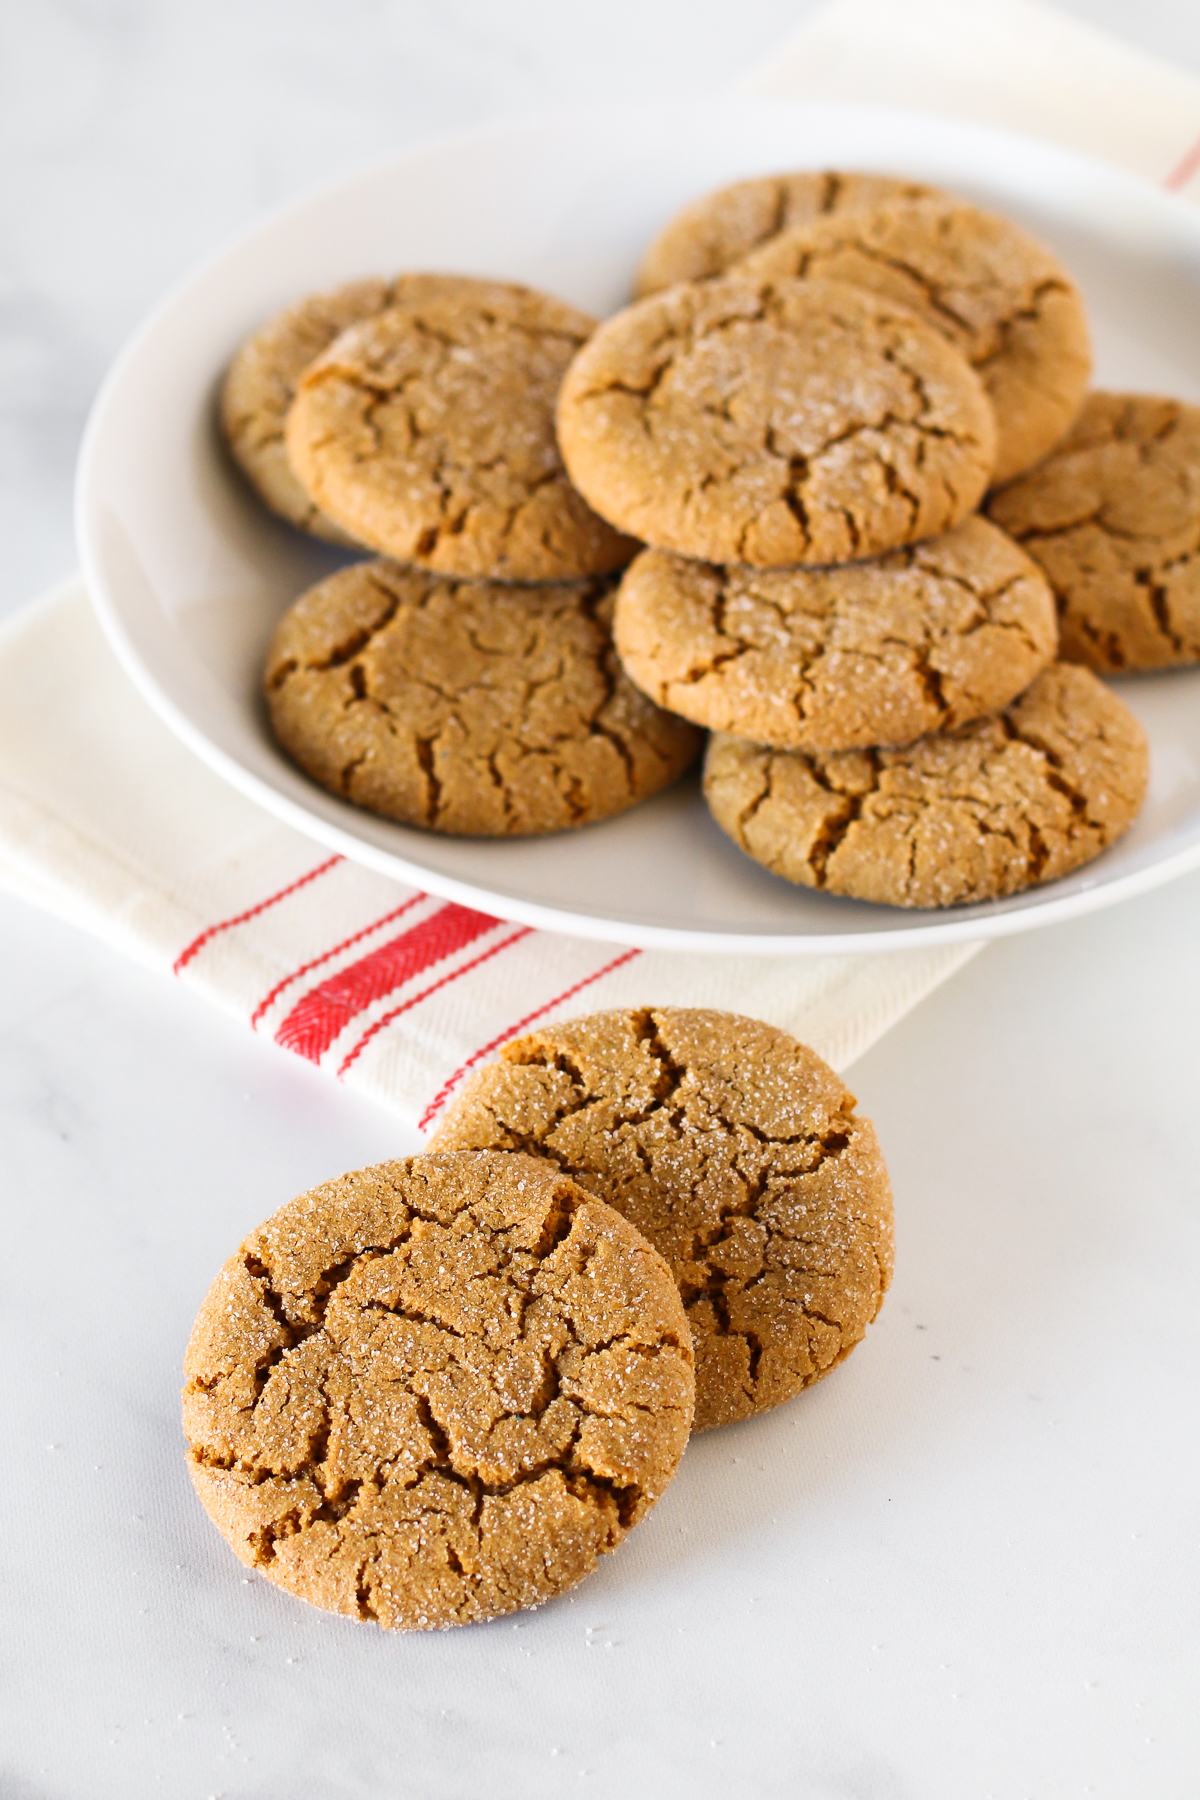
966	1565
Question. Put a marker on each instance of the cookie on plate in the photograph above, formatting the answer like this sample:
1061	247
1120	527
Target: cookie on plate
1113	517
974	814
437	1390
775	422
469	707
997	294
427	432
737	1152
260	386
718	229
875	652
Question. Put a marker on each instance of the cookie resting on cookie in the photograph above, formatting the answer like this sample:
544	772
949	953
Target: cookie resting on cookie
427	432
737	1152
973	814
774	423
993	291
471	707
437	1390
876	652
717	230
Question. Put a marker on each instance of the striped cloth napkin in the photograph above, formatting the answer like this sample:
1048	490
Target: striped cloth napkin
110	822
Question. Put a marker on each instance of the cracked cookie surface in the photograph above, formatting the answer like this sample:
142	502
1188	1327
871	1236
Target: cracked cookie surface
737	1153
775	422
436	1390
427	432
468	707
880	652
994	807
994	292
1113	517
260	385
718	229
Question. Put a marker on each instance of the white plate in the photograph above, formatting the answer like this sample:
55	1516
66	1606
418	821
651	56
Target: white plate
189	573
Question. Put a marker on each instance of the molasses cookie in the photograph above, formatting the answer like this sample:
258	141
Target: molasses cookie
998	295
1113	517
427	432
737	1152
437	1390
775	422
469	707
717	230
261	384
973	814
875	652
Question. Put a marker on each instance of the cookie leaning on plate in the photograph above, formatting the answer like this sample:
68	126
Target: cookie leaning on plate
774	422
435	1391
737	1153
427	432
996	294
260	386
877	652
1113	517
471	707
718	229
969	815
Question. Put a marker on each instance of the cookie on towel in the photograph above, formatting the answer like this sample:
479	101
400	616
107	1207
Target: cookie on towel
1113	517
996	293
436	1390
737	1152
427	432
974	814
879	652
775	422
260	386
470	707
718	229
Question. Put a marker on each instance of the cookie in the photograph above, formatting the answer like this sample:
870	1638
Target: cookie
997	294
261	383
1113	517
467	707
716	231
427	432
994	807
737	1153
775	422
875	652
435	1391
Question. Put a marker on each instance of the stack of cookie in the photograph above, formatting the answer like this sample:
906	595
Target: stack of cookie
465	681
824	377
437	1390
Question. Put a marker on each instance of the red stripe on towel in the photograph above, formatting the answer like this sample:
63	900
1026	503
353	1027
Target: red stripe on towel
1184	169
416	999
446	1088
252	912
307	968
325	1011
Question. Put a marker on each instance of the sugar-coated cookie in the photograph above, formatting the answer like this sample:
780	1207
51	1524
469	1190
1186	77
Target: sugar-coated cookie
973	814
1113	517
437	1390
877	652
775	422
718	229
470	707
427	432
737	1152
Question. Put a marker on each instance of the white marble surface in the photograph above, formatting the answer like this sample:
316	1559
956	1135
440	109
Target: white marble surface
966	1565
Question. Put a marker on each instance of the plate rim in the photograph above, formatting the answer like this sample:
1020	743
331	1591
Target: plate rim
930	927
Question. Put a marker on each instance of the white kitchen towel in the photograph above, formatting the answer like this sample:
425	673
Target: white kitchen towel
107	820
